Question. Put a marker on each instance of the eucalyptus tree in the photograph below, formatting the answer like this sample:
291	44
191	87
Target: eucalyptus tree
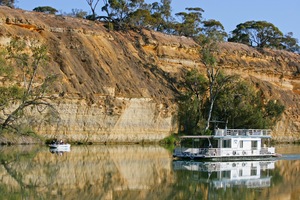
191	102
190	24
257	34
217	81
79	13
162	14
26	57
214	29
119	10
45	9
93	5
290	43
243	105
166	10
9	3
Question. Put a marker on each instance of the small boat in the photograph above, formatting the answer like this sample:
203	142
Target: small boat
227	144
59	146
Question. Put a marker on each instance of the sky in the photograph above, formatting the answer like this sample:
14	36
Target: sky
284	14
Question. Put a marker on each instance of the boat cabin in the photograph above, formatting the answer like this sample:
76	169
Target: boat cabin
227	143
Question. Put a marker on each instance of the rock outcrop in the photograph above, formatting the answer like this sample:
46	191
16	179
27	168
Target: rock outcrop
121	86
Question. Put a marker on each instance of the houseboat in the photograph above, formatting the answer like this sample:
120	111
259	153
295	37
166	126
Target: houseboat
227	144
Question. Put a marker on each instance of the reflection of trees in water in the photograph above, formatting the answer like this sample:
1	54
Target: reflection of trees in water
13	184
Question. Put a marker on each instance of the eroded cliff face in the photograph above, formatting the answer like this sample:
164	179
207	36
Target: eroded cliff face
121	86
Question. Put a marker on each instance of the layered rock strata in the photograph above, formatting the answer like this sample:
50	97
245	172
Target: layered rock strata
119	86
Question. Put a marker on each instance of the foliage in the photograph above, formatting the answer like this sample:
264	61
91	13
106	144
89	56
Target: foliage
214	29
191	103
78	13
16	99
122	14
170	140
263	34
257	33
237	105
93	5
242	106
216	80
191	20
141	18
45	9
9	3
289	43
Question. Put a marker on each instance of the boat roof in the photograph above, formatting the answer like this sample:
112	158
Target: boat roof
233	133
196	136
219	137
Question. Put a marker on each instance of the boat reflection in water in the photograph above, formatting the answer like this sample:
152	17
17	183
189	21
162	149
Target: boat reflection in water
249	174
59	151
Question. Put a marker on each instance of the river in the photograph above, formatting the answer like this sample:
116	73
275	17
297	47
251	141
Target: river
130	172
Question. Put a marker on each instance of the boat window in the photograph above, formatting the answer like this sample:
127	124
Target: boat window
195	143
254	144
241	144
241	173
226	143
226	174
253	172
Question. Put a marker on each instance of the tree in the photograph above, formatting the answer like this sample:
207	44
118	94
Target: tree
141	18
9	3
93	5
79	13
163	16
257	34
119	10
45	9
191	102
289	43
216	79
238	105
242	106
214	29
190	25
28	57
166	10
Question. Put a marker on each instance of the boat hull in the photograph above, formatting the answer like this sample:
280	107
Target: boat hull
60	146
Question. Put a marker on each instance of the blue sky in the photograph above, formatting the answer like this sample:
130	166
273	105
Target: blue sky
282	13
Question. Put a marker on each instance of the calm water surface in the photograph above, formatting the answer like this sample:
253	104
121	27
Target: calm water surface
142	172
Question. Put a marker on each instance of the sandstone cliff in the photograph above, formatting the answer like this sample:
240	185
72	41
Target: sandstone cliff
121	86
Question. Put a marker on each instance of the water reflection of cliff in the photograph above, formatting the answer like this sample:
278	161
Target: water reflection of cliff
91	172
138	172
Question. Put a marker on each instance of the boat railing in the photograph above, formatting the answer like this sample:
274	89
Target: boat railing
197	151
242	132
190	152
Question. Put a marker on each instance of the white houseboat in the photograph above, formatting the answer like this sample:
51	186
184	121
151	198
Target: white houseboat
227	144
